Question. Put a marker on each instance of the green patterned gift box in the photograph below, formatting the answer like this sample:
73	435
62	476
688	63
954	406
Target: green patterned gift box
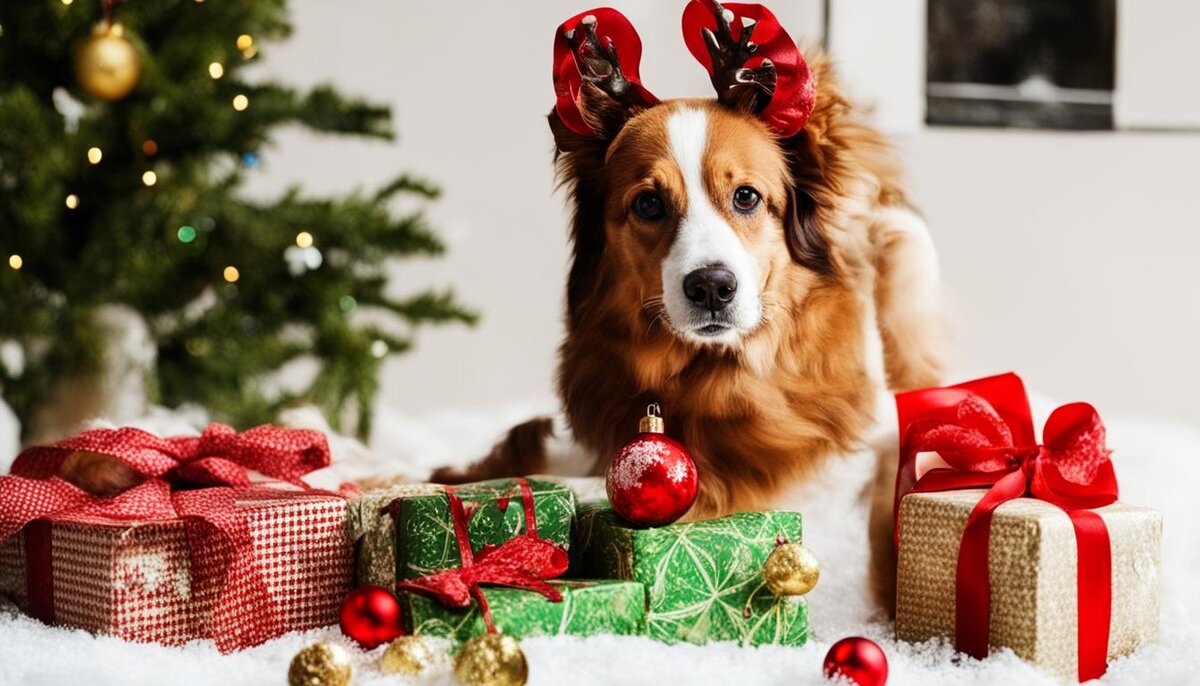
588	608
703	579
425	542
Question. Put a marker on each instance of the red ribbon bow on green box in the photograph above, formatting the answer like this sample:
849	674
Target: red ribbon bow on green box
984	431
188	478
524	561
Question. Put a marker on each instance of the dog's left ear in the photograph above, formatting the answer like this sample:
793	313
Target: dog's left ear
802	229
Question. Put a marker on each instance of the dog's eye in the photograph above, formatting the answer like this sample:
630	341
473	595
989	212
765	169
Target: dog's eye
745	199
648	206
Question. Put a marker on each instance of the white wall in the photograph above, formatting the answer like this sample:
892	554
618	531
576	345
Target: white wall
1069	256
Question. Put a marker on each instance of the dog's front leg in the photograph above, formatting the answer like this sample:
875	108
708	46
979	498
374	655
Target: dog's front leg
908	300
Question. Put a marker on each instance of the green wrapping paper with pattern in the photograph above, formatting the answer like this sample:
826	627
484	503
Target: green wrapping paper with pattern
425	542
588	608
703	579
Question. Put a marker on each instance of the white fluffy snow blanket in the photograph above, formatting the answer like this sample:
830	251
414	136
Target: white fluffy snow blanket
1158	465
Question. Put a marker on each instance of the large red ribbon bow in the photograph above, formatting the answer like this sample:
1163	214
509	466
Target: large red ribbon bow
571	60
525	561
795	93
187	478
984	432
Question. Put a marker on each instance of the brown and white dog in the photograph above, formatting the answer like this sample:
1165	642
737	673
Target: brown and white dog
762	289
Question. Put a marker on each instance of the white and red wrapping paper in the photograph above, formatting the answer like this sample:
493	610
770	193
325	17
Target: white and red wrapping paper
193	552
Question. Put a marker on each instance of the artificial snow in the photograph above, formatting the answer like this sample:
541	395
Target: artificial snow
1157	464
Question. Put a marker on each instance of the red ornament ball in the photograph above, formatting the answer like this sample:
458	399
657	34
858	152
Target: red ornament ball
858	659
652	481
371	616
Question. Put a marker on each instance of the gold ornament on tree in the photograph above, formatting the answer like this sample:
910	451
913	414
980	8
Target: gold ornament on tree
107	65
491	660
406	656
320	664
791	569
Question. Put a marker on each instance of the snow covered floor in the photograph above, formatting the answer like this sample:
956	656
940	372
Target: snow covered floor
1158	465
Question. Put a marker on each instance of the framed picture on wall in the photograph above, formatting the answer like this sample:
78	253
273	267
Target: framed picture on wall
1021	63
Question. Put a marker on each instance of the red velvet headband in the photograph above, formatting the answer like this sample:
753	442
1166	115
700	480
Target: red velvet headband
750	47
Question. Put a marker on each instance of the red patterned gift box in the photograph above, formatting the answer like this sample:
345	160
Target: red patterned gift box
235	563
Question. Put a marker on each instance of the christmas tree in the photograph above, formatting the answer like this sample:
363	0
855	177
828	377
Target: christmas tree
125	134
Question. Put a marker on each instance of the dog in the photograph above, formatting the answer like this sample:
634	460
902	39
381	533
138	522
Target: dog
763	289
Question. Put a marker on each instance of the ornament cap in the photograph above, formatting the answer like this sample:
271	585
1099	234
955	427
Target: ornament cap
652	423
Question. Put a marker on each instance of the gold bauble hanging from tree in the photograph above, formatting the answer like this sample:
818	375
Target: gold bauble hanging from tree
107	65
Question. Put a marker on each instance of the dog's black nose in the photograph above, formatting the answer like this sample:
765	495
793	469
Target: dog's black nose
714	287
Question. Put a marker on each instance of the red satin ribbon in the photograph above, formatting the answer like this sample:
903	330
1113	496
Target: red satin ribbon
524	561
795	93
984	430
614	30
188	478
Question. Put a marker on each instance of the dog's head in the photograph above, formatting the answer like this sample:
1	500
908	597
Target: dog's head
705	214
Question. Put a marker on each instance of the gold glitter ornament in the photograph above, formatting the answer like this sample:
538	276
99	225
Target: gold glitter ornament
320	664
491	660
406	656
791	569
107	65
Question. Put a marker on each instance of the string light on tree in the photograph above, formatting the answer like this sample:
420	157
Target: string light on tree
186	234
347	303
15	261
231	274
245	41
379	349
150	178
240	102
94	155
304	239
215	70
149	147
72	201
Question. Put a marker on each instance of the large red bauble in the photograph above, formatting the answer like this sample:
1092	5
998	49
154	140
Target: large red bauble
652	480
371	616
858	659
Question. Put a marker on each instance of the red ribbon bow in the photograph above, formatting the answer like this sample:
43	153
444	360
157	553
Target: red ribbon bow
984	431
187	478
615	31
795	93
525	561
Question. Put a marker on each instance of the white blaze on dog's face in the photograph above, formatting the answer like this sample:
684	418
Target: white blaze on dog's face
696	206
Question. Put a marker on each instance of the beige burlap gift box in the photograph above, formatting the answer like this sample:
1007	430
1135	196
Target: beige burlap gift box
1032	573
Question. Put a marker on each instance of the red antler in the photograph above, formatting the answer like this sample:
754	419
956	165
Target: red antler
601	47
751	60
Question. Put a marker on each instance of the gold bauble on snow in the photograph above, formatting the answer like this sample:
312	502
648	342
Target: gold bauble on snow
791	569
107	65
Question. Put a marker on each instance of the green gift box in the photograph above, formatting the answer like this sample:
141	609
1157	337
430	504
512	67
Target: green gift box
703	579
425	541
588	608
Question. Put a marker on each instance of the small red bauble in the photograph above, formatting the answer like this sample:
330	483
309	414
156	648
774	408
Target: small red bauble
371	616
858	659
652	480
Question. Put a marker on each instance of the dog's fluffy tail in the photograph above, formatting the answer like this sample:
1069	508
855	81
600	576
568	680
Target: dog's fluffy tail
522	451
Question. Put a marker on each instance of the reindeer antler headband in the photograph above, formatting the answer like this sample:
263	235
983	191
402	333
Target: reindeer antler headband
753	63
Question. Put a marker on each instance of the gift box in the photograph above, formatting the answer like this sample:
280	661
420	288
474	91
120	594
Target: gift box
1032	571
496	511
587	608
703	580
193	550
134	580
1007	542
371	524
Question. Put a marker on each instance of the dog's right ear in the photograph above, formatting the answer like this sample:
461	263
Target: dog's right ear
596	59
